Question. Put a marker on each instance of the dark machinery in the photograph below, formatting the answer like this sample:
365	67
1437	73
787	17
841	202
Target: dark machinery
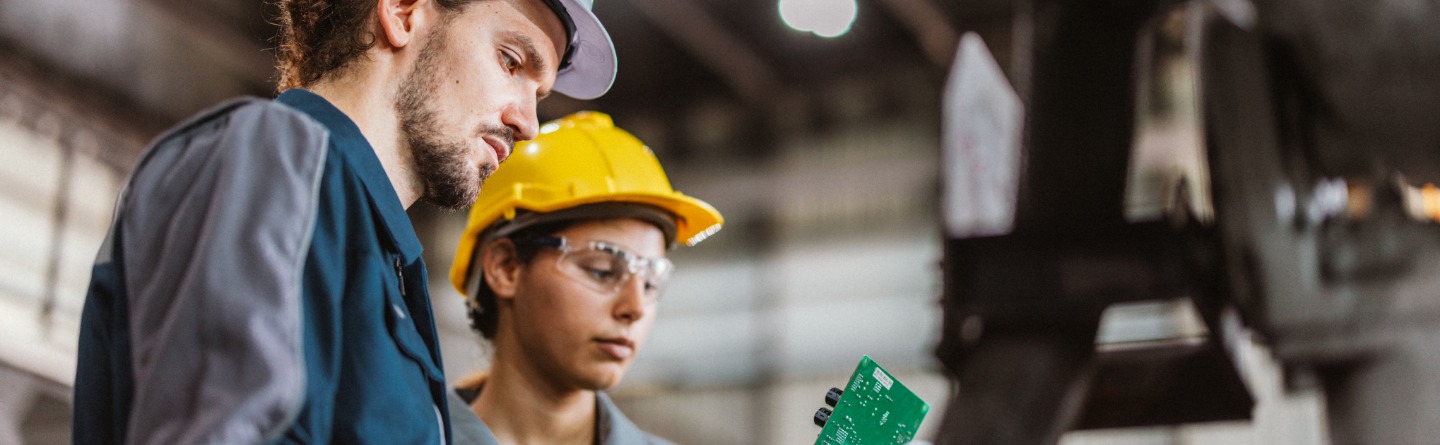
1321	137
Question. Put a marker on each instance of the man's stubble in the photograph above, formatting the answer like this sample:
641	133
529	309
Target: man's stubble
441	160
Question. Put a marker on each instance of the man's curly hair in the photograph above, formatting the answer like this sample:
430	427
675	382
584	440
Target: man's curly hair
320	37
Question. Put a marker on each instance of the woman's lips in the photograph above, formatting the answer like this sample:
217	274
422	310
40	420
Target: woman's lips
619	348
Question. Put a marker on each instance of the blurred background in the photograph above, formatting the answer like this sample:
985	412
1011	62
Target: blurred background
816	132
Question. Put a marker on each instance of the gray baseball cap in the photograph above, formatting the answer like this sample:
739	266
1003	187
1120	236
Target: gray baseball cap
587	69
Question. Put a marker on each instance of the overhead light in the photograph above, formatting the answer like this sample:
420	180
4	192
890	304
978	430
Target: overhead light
824	18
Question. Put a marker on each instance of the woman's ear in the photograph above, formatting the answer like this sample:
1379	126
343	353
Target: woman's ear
397	21
501	266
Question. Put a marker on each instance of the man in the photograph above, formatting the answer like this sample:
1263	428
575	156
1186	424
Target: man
261	281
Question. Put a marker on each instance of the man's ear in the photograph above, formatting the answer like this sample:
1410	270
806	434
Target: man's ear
398	20
501	266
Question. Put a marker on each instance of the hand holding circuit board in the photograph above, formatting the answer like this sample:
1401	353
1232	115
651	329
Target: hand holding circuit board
874	408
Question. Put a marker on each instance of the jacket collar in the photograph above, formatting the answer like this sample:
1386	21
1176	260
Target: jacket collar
465	426
612	427
357	152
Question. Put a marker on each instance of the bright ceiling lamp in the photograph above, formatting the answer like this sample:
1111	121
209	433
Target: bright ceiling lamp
824	18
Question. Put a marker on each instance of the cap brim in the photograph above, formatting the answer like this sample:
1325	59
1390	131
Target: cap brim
593	64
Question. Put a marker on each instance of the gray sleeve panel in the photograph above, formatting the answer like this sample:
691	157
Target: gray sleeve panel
218	219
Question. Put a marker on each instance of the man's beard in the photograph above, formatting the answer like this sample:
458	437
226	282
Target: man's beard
441	160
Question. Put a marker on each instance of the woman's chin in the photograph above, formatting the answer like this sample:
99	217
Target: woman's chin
602	377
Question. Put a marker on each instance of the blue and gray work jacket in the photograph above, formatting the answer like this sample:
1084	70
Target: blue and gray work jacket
260	283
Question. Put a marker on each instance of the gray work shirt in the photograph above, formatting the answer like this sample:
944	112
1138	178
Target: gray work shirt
612	428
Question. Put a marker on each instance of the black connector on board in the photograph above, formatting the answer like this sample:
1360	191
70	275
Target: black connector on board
822	416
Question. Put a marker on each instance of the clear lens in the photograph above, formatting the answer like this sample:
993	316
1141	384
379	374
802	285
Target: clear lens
606	268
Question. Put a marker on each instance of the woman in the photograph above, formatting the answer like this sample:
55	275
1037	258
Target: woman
562	264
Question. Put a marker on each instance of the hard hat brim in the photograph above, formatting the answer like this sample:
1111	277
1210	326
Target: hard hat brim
593	65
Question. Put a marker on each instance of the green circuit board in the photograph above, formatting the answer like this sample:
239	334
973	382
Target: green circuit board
874	409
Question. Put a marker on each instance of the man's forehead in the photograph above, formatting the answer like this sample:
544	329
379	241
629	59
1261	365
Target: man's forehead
586	55
546	19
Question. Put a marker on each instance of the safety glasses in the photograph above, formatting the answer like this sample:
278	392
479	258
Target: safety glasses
606	267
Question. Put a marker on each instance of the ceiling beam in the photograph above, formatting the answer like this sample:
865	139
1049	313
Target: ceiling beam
721	51
33	87
168	57
237	51
936	37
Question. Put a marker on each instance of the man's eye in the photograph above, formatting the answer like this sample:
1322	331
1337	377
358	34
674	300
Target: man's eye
510	62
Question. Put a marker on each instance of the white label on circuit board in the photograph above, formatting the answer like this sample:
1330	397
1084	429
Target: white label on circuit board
884	379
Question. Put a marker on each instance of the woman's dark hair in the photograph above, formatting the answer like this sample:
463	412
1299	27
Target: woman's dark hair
318	37
485	313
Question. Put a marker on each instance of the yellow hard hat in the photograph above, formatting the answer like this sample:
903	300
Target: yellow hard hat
577	160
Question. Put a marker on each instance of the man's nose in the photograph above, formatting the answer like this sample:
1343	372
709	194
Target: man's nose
521	117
